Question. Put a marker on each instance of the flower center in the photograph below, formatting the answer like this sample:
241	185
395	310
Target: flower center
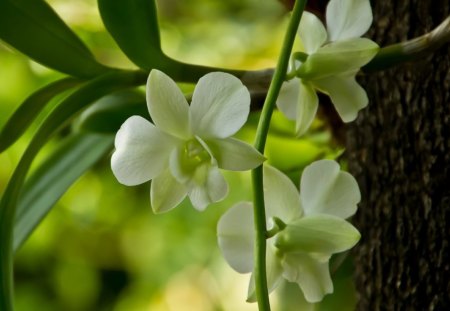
195	154
195	162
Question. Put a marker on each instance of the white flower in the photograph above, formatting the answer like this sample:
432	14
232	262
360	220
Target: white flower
185	147
335	55
313	228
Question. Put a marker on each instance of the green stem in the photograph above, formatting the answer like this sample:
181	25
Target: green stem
262	293
410	50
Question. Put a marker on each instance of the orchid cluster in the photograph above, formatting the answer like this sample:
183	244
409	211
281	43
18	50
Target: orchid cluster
182	149
307	229
333	58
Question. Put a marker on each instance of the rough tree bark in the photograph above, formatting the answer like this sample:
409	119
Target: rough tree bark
399	150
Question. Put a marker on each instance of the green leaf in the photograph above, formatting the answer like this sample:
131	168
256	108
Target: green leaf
50	181
88	93
30	108
134	26
33	28
109	113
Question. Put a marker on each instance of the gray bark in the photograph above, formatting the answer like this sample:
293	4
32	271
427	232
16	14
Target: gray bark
399	150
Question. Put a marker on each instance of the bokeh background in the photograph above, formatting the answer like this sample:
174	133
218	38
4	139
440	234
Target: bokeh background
101	248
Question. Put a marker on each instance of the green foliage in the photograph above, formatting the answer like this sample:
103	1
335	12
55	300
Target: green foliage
50	181
85	95
134	26
34	29
29	110
108	114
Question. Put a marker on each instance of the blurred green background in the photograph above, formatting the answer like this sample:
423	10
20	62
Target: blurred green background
101	248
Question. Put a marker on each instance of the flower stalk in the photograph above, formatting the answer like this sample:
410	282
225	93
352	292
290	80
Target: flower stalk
262	294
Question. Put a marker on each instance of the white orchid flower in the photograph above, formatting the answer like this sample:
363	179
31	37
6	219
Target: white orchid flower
308	228
334	56
182	151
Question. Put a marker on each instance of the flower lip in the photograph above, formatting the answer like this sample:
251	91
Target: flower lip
190	161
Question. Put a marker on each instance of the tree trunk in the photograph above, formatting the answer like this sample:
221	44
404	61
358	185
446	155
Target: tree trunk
399	150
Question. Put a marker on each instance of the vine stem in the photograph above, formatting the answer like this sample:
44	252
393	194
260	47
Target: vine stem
262	293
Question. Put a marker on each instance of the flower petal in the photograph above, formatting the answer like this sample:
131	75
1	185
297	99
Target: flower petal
213	190
323	234
281	197
166	192
348	19
306	108
167	105
220	105
298	101
324	189
346	94
338	58
274	273
288	98
312	275
142	151
181	174
236	237
234	155
312	32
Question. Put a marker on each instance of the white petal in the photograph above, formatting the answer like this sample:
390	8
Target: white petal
324	189
274	273
167	105
220	105
274	270
281	197
312	32
338	58
348	19
236	237
346	94
312	275
288	98
166	192
216	184
142	151
251	292
306	108
213	190
322	234
175	164
234	155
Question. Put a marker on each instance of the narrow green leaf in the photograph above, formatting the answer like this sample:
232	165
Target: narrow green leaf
134	26
88	93
110	112
33	28
30	108
50	181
